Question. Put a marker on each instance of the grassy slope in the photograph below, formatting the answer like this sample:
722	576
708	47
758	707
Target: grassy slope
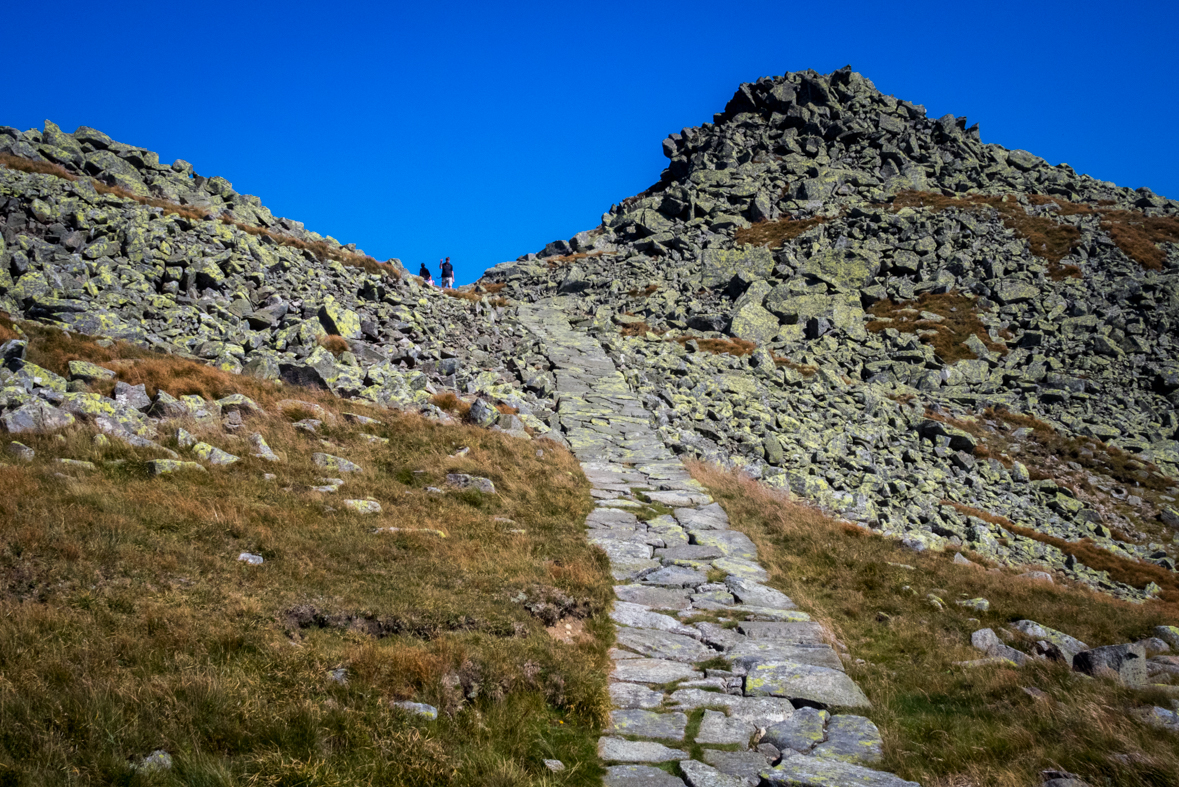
127	623
947	725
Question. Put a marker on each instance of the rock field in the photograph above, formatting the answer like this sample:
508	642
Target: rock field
947	342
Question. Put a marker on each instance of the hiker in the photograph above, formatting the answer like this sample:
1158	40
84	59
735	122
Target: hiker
425	274
447	274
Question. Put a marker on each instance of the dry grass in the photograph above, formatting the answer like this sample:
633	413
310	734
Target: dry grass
464	295
128	625
1137	235
734	346
494	287
806	370
942	724
7	328
451	403
565	259
960	322
336	345
775	234
646	292
318	248
498	303
1131	572
635	329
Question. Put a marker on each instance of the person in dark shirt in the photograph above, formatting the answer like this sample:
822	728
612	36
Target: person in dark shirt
447	274
425	274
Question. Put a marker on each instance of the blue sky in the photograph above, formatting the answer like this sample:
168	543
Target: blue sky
482	131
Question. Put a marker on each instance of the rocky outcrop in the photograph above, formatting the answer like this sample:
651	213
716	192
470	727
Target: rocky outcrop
954	343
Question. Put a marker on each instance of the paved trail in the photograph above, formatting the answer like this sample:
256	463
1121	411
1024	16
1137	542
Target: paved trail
779	675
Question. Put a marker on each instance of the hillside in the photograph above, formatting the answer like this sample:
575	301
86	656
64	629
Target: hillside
868	423
879	312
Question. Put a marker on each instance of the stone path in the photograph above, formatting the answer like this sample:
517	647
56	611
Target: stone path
697	629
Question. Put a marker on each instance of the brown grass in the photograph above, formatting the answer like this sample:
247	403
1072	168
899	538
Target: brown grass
336	345
942	724
646	292
1131	572
494	287
451	403
7	328
553	262
961	321
498	303
806	370
775	234
1045	448
733	346
635	329
318	248
978	513
127	624
1047	238
464	295
1137	235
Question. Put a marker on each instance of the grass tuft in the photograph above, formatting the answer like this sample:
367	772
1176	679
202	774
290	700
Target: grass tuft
775	234
960	321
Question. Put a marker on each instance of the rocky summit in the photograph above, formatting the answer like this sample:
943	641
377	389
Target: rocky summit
952	343
948	342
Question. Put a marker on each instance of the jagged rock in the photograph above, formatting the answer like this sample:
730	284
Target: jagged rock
989	643
213	455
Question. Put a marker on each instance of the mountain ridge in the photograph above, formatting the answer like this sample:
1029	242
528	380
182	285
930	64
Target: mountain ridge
825	288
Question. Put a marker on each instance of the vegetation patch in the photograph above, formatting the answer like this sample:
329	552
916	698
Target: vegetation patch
944	724
731	346
646	292
451	403
775	234
336	345
959	321
1137	235
128	624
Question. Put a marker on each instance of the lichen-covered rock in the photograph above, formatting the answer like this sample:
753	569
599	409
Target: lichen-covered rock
335	464
36	417
165	466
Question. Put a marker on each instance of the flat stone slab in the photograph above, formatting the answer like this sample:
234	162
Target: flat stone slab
675	498
769	613
730	542
742	764
749	653
745	569
804	633
603	517
638	616
634	695
762	711
621	750
655	671
639	776
664	645
632	569
648	724
697	774
717	728
676	577
852	739
801	732
758	595
654	597
620	551
689	552
804	683
710	517
800	771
